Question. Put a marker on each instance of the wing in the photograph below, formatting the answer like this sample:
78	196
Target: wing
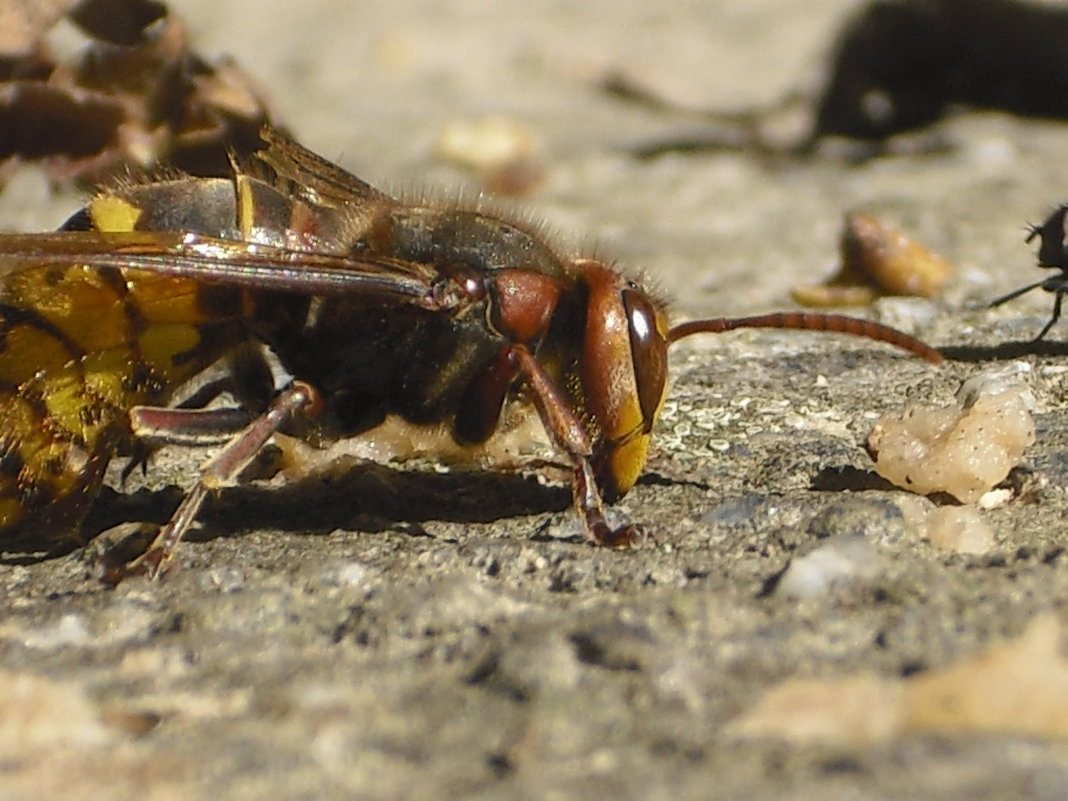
229	262
313	175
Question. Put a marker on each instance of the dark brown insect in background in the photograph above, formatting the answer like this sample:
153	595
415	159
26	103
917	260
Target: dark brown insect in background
1052	254
439	316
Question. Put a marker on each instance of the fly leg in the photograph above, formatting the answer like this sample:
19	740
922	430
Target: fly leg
1016	293
223	470
570	437
1058	287
1054	317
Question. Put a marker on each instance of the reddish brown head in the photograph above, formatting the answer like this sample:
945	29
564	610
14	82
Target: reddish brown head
624	364
623	371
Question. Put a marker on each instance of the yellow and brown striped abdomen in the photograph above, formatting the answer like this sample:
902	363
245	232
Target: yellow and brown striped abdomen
78	347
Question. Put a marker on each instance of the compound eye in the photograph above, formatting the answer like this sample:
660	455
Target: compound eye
648	350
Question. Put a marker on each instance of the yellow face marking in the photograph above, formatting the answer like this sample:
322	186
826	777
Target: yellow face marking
112	214
628	461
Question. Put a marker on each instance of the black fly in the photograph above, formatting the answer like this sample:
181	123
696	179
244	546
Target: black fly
1052	253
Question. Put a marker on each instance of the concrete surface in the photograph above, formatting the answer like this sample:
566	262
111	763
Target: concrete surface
442	635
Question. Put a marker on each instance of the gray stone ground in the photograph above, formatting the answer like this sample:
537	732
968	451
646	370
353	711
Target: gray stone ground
441	635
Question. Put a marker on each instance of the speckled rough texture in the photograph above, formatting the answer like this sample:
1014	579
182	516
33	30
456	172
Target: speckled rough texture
442	635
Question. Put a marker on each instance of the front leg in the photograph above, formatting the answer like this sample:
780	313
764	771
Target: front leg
571	437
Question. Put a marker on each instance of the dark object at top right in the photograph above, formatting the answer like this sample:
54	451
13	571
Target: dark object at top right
1052	253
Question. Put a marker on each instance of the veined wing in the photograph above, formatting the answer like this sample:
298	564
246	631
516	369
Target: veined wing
310	172
227	262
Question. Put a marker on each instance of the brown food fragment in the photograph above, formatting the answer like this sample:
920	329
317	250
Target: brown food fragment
500	150
877	260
